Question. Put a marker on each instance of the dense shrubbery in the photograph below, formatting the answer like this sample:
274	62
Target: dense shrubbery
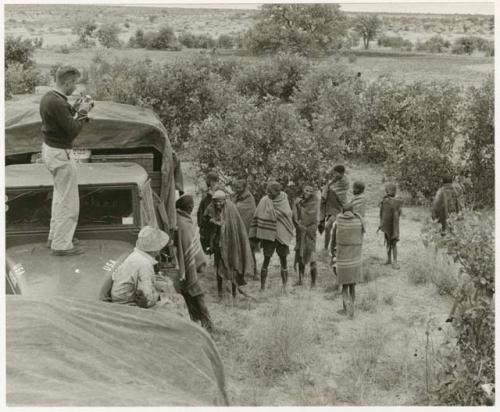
108	35
467	362
435	44
20	74
163	39
277	76
469	44
411	128
259	141
395	42
199	41
477	126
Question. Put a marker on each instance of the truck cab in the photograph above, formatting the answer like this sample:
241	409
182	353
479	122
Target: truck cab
116	200
128	181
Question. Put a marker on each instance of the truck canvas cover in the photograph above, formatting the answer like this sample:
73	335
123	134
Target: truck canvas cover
67	352
112	125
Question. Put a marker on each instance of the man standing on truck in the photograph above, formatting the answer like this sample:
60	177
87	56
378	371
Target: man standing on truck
61	124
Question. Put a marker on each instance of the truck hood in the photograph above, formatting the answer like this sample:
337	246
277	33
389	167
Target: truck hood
39	273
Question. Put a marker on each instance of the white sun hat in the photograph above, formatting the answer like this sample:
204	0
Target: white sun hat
151	239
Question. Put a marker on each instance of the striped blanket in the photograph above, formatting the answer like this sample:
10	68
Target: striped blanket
359	204
273	220
348	239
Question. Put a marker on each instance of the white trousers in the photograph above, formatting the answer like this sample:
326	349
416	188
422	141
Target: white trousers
65	199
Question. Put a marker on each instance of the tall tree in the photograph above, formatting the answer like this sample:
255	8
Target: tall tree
307	29
367	27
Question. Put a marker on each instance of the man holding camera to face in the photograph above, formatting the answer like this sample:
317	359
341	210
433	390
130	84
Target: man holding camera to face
61	124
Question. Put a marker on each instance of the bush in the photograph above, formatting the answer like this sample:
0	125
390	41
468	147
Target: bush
19	80
164	39
84	29
137	40
435	44
468	361
395	42
108	35
469	44
225	41
182	92
262	142
277	77
18	51
477	124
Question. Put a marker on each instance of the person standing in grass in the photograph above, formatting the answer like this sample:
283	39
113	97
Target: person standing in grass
229	243
447	201
346	246
305	219
390	211
333	198
272	225
245	203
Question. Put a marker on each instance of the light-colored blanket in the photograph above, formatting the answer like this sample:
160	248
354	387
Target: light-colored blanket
273	220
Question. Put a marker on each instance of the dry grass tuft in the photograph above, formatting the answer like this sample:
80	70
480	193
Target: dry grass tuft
368	301
283	340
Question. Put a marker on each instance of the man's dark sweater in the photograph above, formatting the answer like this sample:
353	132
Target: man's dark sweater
59	128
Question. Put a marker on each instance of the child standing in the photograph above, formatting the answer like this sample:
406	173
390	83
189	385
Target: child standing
358	201
390	210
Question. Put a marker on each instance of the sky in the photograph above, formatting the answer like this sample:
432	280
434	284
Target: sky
439	7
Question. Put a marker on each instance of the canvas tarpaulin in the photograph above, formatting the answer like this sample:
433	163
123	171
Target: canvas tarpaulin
112	125
66	352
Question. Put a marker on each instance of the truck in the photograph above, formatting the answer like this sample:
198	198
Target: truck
127	179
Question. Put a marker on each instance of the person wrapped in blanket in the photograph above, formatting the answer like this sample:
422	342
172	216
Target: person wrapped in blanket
333	198
346	247
390	211
245	203
305	219
272	225
192	261
229	243
446	202
212	182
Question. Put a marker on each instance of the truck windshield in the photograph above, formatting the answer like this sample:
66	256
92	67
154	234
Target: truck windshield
29	209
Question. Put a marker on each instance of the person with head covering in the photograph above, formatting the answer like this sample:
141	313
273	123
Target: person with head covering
358	201
229	243
192	260
245	203
346	247
134	279
272	225
333	198
390	211
446	202
305	219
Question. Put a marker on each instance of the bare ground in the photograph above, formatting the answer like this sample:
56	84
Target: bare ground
381	357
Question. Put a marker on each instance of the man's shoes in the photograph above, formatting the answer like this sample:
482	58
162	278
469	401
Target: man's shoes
68	252
75	241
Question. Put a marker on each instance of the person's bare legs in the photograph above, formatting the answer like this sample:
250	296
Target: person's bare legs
352	294
284	272
345	298
263	272
395	264
328	231
302	269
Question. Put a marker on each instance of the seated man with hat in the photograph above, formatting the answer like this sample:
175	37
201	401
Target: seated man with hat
134	279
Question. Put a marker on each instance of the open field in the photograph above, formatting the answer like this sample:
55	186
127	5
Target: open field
379	358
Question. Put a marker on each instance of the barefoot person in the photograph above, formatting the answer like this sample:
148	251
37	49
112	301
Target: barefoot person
390	211
347	241
61	124
229	243
305	219
272	225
